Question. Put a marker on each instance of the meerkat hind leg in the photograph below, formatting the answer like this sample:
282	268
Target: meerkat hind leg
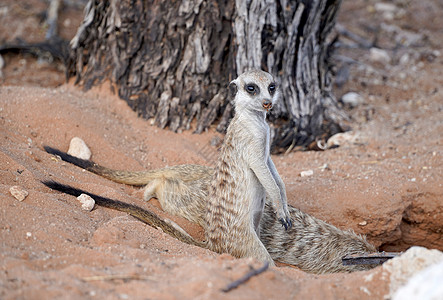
151	189
261	253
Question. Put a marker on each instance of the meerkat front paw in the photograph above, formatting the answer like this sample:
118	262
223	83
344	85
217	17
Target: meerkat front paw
283	216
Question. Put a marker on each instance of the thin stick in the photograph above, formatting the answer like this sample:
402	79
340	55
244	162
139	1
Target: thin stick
254	272
117	277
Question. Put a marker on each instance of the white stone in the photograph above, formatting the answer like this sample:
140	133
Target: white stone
18	192
385	7
427	285
79	149
306	173
400	269
86	201
353	99
379	55
404	59
363	223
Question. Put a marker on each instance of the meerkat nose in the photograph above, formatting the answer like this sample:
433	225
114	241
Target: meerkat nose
267	104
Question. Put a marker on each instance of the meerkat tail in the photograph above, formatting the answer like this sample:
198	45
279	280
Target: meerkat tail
137	178
139	213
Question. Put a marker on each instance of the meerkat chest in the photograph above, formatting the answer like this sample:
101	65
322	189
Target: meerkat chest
260	140
246	142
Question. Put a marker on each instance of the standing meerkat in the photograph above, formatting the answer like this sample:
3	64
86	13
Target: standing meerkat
245	174
212	197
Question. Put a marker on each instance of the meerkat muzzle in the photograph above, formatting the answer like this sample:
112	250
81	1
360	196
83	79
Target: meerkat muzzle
267	104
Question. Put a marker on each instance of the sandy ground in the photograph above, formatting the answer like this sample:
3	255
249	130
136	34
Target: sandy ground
385	181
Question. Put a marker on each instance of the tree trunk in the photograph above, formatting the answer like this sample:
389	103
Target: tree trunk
172	60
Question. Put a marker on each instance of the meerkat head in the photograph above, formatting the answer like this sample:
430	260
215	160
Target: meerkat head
254	90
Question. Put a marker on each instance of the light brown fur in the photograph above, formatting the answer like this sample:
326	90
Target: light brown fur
221	201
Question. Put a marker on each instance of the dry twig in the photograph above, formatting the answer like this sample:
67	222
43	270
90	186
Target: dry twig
252	273
117	277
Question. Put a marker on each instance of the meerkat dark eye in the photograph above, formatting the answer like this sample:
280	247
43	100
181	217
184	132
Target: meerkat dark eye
272	88
252	89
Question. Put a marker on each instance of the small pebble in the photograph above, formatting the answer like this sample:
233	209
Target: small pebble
379	55
86	201
79	149
405	59
352	99
385	7
18	192
364	223
306	173
388	10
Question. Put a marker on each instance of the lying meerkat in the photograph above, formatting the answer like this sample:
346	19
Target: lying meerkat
310	244
228	201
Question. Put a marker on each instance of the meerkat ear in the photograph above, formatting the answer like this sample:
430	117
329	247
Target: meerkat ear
232	90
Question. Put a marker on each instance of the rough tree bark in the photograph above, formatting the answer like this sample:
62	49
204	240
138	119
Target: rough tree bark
172	60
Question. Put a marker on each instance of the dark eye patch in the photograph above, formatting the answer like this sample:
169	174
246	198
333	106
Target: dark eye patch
252	88
272	88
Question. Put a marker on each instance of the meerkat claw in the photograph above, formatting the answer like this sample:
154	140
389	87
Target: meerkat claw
287	223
